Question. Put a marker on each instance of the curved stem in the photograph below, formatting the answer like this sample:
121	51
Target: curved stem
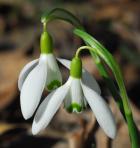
83	48
44	26
62	14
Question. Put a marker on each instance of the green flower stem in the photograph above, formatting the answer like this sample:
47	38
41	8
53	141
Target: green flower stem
44	27
61	14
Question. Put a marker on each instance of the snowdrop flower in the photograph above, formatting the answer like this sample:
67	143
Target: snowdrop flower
37	75
75	93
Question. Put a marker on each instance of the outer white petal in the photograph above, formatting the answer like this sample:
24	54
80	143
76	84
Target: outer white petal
101	110
48	108
87	78
53	71
64	62
90	81
32	88
25	71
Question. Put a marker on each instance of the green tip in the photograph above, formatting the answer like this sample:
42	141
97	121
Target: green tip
76	68
53	85
74	107
46	43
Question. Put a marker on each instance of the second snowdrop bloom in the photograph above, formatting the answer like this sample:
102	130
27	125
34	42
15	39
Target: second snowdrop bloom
37	75
75	94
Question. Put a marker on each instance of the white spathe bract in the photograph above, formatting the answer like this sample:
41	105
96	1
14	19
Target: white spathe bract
74	93
34	77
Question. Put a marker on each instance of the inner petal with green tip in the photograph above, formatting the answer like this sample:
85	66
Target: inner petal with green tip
53	85
74	107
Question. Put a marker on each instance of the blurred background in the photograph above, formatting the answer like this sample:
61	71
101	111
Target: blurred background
115	23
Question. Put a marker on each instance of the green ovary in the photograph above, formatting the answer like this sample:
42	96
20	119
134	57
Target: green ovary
74	107
53	84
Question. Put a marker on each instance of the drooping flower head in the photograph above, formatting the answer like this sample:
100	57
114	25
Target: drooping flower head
79	90
37	75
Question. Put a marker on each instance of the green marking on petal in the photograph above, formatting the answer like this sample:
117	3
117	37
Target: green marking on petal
74	107
53	85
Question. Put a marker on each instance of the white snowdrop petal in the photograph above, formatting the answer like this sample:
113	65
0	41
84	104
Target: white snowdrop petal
101	110
32	89
90	81
53	72
87	78
76	91
64	62
77	97
48	108
25	71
